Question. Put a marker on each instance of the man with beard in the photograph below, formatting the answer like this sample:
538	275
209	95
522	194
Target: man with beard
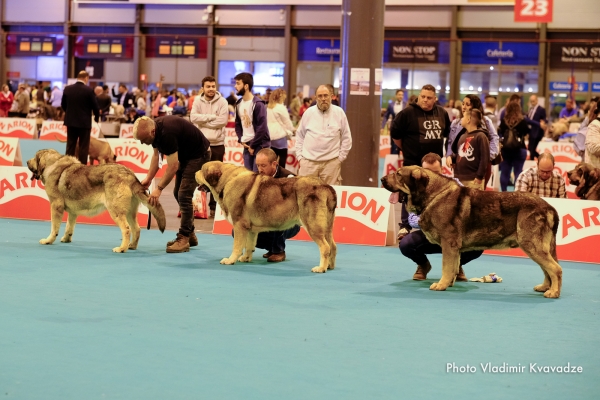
210	113
323	140
419	129
250	120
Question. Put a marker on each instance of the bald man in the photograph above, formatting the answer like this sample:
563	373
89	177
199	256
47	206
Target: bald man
536	118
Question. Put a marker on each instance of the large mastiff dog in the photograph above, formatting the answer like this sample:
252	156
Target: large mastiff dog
88	190
587	179
461	219
255	203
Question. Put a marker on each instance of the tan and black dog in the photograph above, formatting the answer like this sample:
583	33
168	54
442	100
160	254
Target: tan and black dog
462	219
99	151
88	190
255	203
587	179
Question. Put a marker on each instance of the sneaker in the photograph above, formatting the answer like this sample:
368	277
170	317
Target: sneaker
461	277
267	255
193	240
181	245
421	272
402	232
279	257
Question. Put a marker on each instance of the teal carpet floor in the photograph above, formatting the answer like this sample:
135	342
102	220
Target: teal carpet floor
80	322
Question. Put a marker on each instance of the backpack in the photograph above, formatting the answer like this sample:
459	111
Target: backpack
511	139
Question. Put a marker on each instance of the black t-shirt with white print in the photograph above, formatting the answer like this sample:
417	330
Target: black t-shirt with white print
421	132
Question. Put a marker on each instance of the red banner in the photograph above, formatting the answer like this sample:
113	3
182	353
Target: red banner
533	11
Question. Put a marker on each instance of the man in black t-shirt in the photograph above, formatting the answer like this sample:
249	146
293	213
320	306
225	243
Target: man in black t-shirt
187	150
419	129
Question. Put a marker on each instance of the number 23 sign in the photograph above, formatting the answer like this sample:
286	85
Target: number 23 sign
533	10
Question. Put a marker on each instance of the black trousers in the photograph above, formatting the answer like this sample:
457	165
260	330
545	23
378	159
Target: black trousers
274	241
185	184
83	136
415	246
217	153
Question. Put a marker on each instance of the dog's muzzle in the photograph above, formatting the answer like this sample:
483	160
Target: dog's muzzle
35	176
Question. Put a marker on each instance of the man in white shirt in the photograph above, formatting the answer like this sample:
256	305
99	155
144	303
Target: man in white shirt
210	113
323	140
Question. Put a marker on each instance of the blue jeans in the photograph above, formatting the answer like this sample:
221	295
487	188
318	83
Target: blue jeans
415	246
250	161
511	159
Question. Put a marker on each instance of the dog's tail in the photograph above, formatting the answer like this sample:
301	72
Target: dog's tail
157	211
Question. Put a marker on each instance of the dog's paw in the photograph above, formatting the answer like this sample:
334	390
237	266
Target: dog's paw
541	288
319	270
119	250
437	286
132	246
552	294
227	261
46	241
66	239
245	258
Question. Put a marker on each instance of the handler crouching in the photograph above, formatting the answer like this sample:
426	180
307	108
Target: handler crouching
187	150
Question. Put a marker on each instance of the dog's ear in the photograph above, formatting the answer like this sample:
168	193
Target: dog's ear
582	187
212	177
420	178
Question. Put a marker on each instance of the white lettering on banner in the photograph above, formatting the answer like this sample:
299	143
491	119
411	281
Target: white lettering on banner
15	182
575	51
327	51
402	49
17	127
578	219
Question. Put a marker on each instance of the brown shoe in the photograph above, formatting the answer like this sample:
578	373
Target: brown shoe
461	277
279	257
193	240
267	255
421	272
181	244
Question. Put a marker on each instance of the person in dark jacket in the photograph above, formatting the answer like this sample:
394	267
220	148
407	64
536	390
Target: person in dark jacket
393	109
536	117
124	98
104	102
250	120
79	102
473	152
419	129
512	158
187	149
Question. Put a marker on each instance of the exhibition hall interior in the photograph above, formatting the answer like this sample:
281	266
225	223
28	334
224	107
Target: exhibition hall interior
299	199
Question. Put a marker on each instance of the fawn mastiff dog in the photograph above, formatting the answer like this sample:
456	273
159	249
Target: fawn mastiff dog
99	151
461	219
256	203
587	179
88	190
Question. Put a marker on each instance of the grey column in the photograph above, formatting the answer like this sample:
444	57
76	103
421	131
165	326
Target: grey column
362	47
288	52
210	44
454	57
67	63
137	54
543	65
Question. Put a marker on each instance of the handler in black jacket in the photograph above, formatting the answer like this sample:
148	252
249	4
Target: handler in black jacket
79	101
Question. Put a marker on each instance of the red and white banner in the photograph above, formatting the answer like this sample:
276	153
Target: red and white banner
562	151
53	130
578	232
533	11
361	217
10	152
126	131
56	130
392	163
135	155
385	146
22	198
23	128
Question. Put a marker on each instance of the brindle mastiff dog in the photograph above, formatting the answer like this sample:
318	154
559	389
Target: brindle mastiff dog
462	219
255	203
587	179
88	190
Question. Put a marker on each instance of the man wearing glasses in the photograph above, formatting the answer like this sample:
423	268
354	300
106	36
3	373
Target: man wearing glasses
542	179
